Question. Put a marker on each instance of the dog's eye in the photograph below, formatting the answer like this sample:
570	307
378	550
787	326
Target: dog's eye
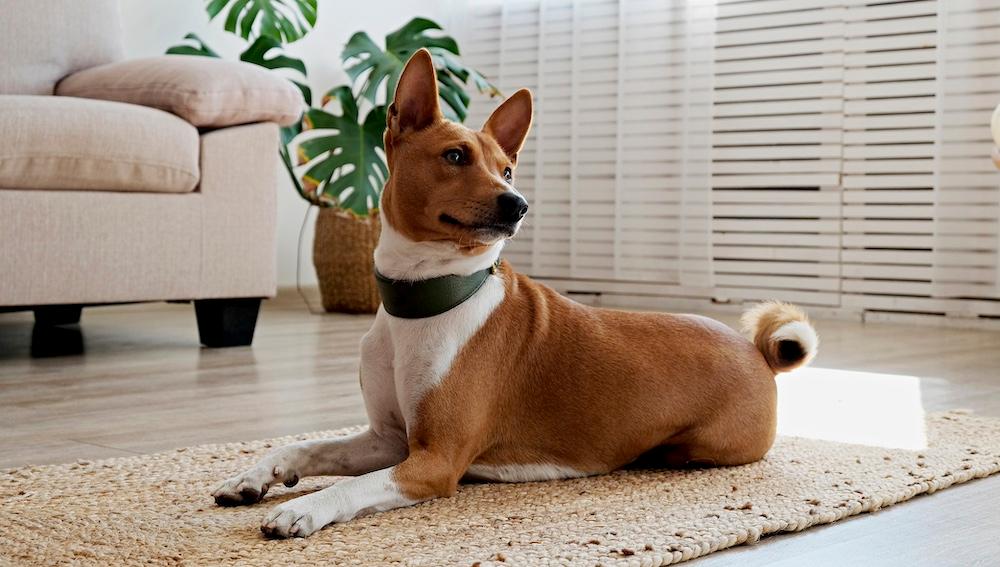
508	175
454	156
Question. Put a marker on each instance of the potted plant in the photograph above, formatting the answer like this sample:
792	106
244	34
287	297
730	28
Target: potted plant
340	161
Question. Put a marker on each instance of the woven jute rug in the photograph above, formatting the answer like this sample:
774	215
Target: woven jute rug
156	509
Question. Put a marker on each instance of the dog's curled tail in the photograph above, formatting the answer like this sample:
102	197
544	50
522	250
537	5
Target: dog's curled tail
782	333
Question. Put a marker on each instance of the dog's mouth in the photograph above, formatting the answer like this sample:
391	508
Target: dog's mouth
485	230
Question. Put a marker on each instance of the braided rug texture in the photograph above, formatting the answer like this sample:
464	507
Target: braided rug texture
156	509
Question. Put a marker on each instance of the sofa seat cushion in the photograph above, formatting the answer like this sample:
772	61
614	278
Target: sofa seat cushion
64	143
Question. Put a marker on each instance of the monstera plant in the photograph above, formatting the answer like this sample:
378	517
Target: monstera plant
340	160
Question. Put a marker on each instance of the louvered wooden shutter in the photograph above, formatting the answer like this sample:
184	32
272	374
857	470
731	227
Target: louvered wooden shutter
888	154
916	119
617	167
777	155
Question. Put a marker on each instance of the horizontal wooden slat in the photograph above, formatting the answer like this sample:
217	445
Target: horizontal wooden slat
760	267
726	251
779	196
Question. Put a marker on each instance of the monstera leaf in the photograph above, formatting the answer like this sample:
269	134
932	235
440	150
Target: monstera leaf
346	164
285	21
369	66
193	46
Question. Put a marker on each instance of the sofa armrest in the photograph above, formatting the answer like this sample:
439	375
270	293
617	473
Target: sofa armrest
204	91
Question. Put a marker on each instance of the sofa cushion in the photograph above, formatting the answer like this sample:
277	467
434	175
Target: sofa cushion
42	42
204	91
68	143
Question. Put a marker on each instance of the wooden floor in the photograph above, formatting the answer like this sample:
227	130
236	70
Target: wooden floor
139	382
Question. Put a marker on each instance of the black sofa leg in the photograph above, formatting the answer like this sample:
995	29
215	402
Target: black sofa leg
226	322
50	315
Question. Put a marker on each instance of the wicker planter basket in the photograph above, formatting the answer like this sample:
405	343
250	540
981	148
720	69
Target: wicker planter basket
343	255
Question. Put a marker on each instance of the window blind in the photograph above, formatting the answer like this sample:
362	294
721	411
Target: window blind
777	150
617	167
888	155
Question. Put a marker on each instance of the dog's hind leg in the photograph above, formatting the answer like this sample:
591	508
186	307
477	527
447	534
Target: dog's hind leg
344	456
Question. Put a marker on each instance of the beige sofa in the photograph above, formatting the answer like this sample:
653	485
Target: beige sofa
105	201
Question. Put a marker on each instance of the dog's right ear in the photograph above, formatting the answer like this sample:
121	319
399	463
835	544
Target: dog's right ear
415	105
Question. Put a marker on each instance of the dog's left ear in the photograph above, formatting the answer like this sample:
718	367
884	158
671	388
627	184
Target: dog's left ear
510	122
415	105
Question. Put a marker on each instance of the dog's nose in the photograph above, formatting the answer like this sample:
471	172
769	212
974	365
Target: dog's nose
512	207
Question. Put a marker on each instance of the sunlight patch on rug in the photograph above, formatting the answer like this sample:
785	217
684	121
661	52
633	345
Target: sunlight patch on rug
849	406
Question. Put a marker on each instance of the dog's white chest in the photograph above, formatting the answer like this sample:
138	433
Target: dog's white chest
423	350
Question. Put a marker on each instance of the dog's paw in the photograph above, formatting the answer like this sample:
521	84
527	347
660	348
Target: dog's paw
251	486
295	518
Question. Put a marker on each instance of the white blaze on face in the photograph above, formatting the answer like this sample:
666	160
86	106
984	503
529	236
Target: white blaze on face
400	258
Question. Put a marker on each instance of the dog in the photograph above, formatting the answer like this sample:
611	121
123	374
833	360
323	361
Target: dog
506	380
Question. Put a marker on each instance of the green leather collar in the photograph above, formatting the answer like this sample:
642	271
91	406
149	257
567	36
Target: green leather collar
427	298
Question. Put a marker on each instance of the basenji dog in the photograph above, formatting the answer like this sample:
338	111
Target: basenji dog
474	371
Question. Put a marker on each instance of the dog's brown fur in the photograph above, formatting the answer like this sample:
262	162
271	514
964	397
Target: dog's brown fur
422	186
547	380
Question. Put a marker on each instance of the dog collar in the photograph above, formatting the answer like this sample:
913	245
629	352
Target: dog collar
430	297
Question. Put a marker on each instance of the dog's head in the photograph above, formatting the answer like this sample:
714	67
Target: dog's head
449	183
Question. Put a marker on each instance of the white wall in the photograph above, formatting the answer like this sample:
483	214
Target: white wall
150	26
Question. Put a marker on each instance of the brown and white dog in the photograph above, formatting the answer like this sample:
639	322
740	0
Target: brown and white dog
517	383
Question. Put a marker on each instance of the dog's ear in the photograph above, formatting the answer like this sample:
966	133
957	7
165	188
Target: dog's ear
415	105
510	122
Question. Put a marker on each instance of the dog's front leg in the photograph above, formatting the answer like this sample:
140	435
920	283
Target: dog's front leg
383	445
422	476
350	455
